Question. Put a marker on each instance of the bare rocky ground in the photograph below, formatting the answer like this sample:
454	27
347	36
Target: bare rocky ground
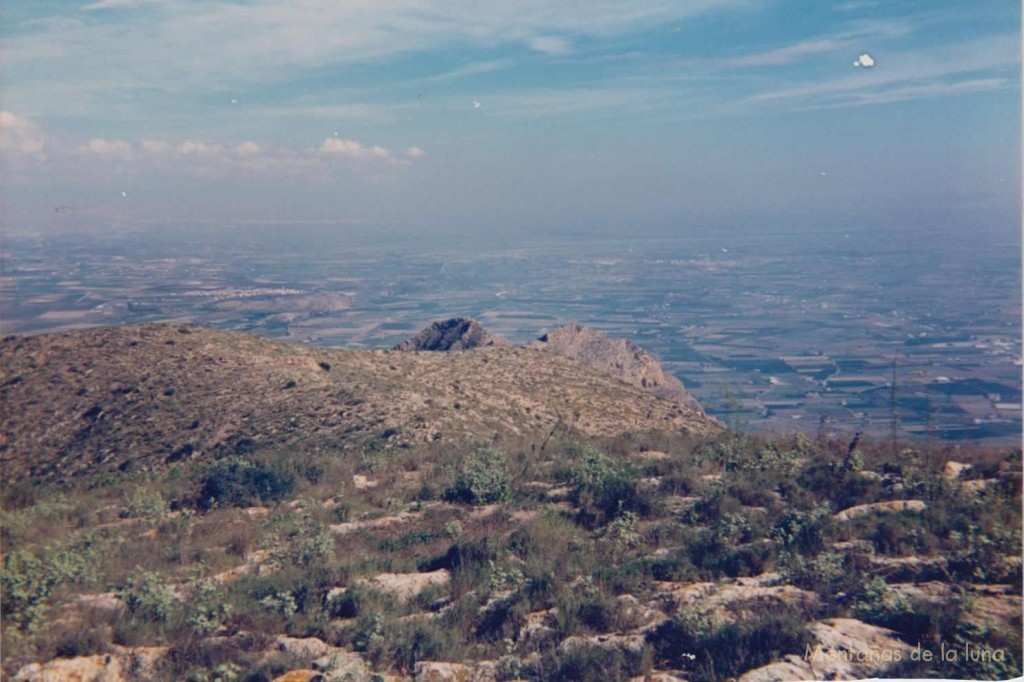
561	554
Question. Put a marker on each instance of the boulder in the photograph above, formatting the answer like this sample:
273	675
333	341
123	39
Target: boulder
894	506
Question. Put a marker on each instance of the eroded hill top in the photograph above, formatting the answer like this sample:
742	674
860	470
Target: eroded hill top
143	396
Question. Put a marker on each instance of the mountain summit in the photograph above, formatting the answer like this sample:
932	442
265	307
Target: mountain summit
620	358
456	333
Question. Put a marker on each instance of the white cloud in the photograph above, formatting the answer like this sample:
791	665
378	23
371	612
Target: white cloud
939	69
782	55
334	146
415	153
155	147
176	46
248	148
117	4
915	92
857	33
198	149
865	60
22	137
549	45
107	149
470	70
855	6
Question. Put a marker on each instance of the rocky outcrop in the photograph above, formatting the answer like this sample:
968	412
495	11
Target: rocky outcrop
118	666
892	507
844	649
621	358
326	663
442	671
404	586
457	333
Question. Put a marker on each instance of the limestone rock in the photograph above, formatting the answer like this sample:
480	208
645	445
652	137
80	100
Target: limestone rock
621	358
438	671
304	647
953	471
300	676
881	507
845	649
98	668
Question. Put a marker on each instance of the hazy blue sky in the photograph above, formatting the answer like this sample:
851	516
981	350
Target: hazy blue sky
425	115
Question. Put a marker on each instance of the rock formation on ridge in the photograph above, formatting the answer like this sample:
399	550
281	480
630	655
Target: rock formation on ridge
621	358
456	333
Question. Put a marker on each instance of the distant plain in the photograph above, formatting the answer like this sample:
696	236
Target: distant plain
773	329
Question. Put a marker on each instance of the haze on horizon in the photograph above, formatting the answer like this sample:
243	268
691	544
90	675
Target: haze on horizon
426	117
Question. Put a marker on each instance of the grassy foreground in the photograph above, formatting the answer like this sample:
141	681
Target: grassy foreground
578	560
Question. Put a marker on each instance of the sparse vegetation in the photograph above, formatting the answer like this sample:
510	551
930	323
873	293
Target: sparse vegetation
585	559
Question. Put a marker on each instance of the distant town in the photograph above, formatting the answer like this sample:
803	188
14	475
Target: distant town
826	334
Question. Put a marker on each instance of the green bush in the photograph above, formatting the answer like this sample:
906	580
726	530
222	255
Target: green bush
147	597
145	504
623	531
205	608
238	482
979	554
312	544
27	581
878	601
482	478
509	668
604	488
676	567
280	603
25	586
745	645
802	532
589	664
708	649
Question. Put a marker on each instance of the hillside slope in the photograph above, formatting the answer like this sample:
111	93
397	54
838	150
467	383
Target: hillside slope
142	396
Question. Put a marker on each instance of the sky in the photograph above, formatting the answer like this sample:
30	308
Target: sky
437	116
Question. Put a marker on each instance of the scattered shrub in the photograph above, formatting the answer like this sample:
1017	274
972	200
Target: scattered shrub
147	597
588	664
312	544
25	586
604	488
238	482
980	554
802	532
622	531
482	478
281	603
206	608
698	642
145	504
509	668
